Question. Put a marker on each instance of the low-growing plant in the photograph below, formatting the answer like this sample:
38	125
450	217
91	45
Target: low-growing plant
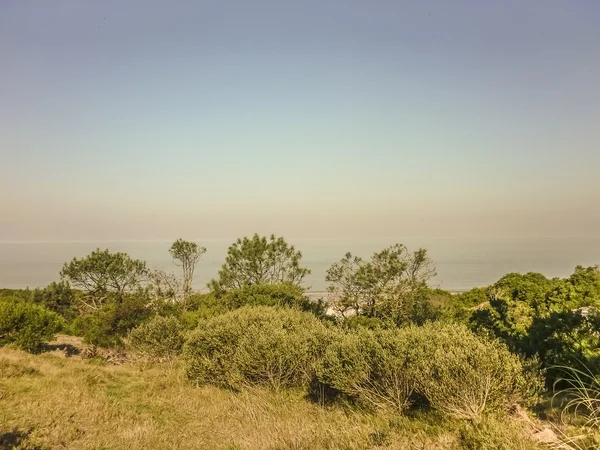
458	373
285	294
463	375
160	338
371	366
277	347
27	325
108	325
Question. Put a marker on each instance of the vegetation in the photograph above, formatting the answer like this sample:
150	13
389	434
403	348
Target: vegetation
103	275
456	372
26	325
160	338
52	402
256	346
554	320
392	285
259	260
186	254
398	364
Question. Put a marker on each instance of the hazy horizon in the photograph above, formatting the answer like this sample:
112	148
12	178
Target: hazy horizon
152	120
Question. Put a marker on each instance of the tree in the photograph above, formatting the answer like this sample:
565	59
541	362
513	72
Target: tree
389	285
103	275
260	261
164	286
186	255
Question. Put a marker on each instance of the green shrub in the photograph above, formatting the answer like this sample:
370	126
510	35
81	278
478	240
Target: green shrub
201	306
463	375
27	325
286	294
458	373
160	338
57	297
106	326
371	366
277	347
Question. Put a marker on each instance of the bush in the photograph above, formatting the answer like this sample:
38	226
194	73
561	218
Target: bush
277	347
286	294
463	375
455	371
106	326
27	325
160	338
371	366
57	297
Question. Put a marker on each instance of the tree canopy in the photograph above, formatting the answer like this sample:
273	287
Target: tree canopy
260	260
102	274
186	254
385	286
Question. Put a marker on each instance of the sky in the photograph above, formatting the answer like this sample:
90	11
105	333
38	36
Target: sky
208	119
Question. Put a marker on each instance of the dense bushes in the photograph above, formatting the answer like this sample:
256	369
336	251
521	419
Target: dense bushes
285	294
57	297
463	375
204	306
555	320
107	326
26	325
160	338
458	373
371	366
278	347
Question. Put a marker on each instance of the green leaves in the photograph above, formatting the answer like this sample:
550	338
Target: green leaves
387	286
102	273
186	254
260	261
27	325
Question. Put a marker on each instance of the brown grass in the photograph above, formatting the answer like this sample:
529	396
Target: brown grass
57	402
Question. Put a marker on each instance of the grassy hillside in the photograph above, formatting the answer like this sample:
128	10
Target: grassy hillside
50	401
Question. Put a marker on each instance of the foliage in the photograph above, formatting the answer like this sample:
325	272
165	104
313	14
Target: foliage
260	261
371	366
369	323
23	294
277	347
163	285
103	273
284	295
200	307
57	297
159	338
106	326
458	373
513	303
554	320
26	325
464	375
391	285
568	338
186	255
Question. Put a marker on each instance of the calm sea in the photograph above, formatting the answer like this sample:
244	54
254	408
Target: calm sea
461	263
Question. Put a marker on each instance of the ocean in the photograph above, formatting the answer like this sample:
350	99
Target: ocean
461	263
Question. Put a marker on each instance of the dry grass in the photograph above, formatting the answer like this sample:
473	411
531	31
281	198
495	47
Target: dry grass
49	401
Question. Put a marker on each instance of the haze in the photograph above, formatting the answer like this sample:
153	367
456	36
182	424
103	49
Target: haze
153	120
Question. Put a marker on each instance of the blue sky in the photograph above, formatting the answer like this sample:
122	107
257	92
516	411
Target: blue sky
151	120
